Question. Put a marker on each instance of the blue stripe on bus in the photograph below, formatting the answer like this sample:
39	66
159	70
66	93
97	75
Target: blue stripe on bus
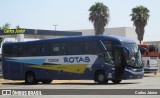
29	61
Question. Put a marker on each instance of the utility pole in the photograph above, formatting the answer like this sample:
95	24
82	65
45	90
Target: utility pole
55	26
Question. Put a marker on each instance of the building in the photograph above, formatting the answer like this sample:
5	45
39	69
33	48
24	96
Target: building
128	32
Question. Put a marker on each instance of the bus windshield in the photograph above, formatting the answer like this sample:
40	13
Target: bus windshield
134	58
149	56
151	49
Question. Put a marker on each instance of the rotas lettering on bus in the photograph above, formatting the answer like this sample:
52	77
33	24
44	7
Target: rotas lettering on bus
76	59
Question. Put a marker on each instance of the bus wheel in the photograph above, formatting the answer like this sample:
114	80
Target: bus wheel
116	81
46	81
30	78
100	78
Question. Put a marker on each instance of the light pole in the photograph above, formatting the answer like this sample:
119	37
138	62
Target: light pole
55	26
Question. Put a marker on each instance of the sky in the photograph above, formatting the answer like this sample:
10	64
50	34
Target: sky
73	14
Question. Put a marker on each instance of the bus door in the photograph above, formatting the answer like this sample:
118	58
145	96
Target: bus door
119	60
121	53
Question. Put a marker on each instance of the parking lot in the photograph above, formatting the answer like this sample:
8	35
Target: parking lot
150	81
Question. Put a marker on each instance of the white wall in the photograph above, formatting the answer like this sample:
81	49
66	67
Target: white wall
128	32
131	34
115	31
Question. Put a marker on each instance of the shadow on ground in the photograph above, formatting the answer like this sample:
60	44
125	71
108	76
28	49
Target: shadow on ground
23	83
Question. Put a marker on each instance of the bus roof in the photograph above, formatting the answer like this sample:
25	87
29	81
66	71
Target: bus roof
79	38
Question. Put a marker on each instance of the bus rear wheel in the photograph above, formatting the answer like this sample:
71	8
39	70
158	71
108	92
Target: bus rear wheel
46	81
30	78
100	78
116	81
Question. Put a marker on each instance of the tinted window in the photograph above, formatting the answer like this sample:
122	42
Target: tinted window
152	48
42	50
15	51
142	49
7	50
75	48
25	50
58	49
10	50
107	45
33	50
92	48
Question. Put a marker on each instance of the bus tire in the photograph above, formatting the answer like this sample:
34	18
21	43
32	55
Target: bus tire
46	81
30	78
116	81
100	77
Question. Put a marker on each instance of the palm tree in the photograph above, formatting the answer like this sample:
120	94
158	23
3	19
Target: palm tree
6	26
140	16
17	27
99	16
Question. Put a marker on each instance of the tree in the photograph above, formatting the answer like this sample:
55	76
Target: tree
140	16
5	26
17	27
99	16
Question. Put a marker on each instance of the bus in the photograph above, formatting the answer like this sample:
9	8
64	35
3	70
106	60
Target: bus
101	58
150	57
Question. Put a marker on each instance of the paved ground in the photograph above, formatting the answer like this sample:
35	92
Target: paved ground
150	81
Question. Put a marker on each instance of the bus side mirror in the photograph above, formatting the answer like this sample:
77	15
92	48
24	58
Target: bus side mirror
127	52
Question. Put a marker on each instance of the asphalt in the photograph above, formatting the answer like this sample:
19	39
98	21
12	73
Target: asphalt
0	75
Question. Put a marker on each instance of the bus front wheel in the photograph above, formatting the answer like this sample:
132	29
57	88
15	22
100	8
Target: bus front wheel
30	78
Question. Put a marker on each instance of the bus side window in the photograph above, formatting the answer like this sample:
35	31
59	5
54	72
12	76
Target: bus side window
58	49
33	50
24	50
44	50
108	47
92	48
15	51
7	50
55	49
39	50
75	48
63	48
11	51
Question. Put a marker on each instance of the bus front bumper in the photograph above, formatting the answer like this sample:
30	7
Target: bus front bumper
134	73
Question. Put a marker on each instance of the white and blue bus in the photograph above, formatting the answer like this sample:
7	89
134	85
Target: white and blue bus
100	58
